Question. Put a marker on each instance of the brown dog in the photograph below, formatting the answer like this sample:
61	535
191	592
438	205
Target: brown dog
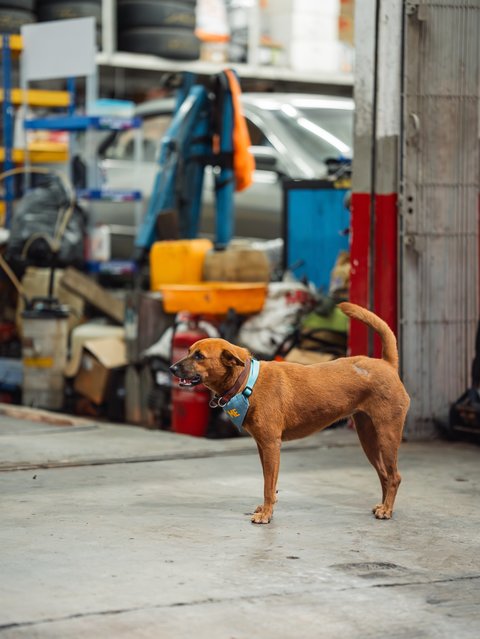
290	401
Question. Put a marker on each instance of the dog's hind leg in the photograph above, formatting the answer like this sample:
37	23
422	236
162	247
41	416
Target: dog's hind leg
270	457
368	439
389	443
381	448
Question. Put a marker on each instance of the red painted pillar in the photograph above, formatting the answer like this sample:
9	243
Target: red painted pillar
360	268
385	265
374	216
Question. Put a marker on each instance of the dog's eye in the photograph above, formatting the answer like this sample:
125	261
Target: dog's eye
198	355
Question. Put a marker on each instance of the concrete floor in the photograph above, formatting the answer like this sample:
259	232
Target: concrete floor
114	531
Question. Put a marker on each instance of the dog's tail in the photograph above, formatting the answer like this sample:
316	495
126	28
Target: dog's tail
389	342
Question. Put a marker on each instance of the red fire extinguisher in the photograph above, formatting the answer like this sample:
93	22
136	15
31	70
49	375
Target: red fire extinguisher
190	406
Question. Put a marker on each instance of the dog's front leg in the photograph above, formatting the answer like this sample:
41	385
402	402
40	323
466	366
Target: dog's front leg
270	457
259	509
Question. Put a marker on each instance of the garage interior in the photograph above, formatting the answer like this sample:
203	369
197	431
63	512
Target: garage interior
234	169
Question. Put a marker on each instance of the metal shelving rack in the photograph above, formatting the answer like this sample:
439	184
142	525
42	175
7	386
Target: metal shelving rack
82	123
8	123
94	192
75	123
111	57
46	153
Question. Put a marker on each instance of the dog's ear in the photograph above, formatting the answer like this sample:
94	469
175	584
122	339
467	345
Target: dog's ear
229	358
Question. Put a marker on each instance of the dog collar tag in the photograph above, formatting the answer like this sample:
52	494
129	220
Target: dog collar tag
237	407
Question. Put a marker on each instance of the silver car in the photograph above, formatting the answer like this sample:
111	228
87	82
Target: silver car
293	135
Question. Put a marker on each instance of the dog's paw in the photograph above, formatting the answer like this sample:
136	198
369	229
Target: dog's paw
261	516
381	512
259	509
375	508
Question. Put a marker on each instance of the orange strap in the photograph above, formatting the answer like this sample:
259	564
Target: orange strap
243	160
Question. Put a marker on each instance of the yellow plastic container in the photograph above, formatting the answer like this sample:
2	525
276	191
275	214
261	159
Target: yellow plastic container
177	262
215	298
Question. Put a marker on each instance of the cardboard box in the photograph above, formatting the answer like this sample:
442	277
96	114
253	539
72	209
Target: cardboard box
88	333
99	358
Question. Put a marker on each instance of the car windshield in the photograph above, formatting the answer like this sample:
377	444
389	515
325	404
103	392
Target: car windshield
308	131
322	133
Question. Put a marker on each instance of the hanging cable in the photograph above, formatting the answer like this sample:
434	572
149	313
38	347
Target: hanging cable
61	224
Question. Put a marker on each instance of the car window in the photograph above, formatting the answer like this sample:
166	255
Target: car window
122	146
257	136
323	133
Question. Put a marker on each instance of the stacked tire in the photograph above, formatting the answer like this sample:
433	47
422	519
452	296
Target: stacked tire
165	28
48	10
14	14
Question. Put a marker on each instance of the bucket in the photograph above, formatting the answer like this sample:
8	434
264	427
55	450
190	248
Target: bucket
177	261
44	353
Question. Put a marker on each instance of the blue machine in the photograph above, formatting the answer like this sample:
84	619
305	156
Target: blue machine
316	223
201	134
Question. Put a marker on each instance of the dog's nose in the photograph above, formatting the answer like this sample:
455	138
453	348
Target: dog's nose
174	369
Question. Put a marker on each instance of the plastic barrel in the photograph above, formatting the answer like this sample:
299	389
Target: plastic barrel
44	354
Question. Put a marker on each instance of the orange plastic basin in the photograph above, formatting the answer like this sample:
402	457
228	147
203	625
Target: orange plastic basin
215	298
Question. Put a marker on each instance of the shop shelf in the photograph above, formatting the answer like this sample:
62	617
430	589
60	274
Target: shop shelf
112	267
154	63
82	123
15	42
109	195
40	153
39	98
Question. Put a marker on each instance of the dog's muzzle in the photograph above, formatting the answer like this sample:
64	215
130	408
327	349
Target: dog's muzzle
185	379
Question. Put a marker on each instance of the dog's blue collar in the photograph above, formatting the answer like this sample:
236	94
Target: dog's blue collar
236	408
